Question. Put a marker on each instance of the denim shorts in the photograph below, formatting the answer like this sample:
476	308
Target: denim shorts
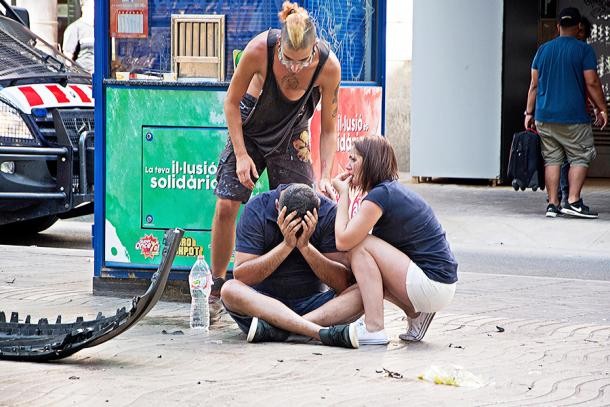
301	306
292	165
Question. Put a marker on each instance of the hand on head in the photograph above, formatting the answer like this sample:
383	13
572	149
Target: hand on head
289	225
308	226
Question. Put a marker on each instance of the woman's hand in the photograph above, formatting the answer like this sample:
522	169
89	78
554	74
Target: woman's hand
289	226
341	183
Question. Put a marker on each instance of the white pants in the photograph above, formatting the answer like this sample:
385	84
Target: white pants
425	294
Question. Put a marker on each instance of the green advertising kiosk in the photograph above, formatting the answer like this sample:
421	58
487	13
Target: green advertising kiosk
162	68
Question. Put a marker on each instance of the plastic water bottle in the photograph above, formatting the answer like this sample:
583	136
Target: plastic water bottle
200	281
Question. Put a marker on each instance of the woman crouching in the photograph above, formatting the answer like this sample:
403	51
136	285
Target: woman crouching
406	258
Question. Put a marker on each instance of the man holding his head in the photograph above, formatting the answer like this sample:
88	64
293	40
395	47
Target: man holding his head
286	261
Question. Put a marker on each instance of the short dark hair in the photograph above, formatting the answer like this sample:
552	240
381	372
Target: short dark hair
300	198
378	161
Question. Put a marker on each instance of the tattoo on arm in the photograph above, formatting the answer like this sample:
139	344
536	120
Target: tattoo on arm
334	102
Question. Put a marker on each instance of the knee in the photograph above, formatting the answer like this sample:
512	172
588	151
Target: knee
227	209
357	251
229	293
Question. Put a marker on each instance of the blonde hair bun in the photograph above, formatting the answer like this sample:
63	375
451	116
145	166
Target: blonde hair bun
289	8
297	27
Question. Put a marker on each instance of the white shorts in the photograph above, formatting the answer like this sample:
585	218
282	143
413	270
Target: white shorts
425	294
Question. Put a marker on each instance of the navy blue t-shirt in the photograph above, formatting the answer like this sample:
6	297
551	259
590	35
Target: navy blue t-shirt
409	224
258	233
561	94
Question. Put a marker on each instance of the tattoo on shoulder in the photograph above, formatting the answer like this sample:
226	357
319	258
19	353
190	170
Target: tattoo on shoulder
335	102
336	94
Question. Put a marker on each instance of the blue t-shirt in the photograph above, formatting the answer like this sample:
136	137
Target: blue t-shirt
409	224
258	233
561	94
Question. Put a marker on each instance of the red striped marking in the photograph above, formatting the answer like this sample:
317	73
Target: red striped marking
31	95
58	93
81	94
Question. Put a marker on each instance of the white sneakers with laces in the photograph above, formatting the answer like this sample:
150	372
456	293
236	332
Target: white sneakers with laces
370	338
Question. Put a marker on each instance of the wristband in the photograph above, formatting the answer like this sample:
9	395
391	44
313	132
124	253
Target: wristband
217	283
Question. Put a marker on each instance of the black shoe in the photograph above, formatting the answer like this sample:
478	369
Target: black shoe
579	209
552	211
261	331
340	335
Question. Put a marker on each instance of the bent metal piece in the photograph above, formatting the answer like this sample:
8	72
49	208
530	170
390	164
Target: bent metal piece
43	341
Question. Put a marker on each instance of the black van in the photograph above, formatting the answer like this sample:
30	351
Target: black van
46	130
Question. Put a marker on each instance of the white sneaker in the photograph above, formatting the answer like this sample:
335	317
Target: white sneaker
417	327
370	338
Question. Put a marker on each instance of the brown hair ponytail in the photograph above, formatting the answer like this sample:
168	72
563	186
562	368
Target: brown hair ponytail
298	31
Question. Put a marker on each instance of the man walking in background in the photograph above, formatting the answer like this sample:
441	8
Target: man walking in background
563	72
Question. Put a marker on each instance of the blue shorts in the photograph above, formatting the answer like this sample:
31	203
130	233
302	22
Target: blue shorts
301	306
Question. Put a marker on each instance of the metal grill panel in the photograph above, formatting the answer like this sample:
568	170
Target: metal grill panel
17	59
77	121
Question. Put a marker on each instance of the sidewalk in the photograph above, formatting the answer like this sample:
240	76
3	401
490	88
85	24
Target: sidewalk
554	350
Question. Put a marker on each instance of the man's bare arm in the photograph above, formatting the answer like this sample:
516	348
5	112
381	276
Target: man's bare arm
329	86
531	99
251	269
332	273
596	94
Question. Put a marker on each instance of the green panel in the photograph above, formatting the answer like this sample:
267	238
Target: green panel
179	180
188	126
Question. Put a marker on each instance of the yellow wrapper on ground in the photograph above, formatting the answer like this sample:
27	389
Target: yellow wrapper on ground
452	375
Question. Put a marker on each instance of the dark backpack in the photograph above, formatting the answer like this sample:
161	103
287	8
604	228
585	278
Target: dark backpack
525	164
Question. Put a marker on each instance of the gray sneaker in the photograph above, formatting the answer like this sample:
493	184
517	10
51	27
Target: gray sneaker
217	309
340	335
417	327
262	331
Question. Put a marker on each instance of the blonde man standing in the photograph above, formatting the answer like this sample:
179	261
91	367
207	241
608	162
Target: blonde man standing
281	77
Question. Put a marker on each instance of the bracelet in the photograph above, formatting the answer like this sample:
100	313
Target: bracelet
217	283
526	113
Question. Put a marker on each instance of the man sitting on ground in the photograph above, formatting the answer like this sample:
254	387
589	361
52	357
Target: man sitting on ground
285	261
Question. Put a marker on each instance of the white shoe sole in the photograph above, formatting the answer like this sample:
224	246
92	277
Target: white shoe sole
551	215
353	337
577	214
252	330
374	341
